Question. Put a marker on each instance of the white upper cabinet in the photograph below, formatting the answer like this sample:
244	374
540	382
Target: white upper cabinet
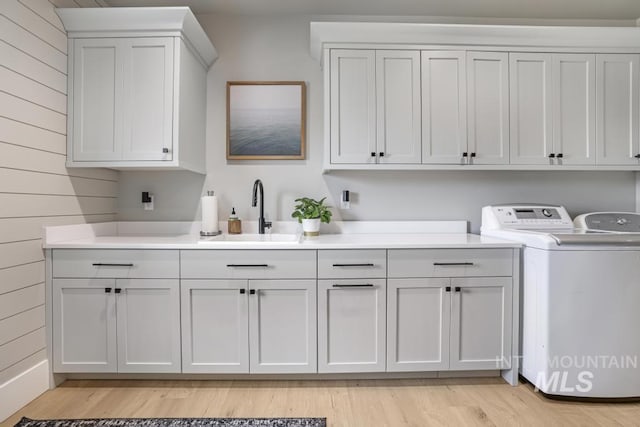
444	121
374	107
353	106
574	108
531	107
148	110
136	101
617	111
398	106
122	99
93	122
488	107
487	97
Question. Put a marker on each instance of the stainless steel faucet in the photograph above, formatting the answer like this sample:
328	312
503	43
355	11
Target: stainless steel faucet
262	224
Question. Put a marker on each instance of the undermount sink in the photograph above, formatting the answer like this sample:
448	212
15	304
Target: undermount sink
252	238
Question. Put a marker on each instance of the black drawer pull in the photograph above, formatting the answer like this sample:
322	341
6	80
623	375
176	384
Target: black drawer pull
117	290
457	288
252	291
452	263
355	285
242	291
247	265
355	265
107	290
108	264
447	289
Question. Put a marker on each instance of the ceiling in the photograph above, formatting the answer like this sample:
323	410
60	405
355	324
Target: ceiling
527	9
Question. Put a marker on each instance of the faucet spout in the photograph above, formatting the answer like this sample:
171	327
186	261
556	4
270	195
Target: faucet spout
257	187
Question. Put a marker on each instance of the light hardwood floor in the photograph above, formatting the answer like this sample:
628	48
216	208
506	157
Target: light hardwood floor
366	403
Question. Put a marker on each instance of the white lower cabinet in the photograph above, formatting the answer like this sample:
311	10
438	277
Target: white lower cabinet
116	325
242	326
438	324
351	325
480	336
418	325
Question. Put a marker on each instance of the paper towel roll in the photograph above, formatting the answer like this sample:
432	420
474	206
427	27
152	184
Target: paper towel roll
210	213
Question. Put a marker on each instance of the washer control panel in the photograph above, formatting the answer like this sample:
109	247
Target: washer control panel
525	217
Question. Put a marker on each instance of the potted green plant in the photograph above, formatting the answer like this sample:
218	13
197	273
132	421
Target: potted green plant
311	213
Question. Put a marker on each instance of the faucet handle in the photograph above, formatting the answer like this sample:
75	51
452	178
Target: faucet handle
267	224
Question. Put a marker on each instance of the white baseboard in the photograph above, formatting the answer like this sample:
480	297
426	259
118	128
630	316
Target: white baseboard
23	388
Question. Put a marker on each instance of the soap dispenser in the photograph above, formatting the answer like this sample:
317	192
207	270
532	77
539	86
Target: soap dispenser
234	224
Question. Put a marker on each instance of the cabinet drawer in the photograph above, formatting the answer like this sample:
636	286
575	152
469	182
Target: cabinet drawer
92	263
346	264
248	264
450	262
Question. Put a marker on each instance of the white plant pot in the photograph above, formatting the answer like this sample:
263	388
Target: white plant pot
311	227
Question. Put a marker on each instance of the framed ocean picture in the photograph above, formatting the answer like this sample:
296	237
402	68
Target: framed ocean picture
266	120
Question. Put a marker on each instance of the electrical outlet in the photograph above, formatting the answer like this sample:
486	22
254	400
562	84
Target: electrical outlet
147	202
345	201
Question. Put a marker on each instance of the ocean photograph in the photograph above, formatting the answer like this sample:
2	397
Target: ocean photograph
265	121
265	132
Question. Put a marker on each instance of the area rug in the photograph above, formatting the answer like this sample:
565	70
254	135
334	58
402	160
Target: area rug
177	422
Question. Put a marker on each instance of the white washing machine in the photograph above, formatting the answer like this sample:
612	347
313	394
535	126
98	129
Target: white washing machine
580	298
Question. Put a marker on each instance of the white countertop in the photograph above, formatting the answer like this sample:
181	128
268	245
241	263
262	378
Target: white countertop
175	235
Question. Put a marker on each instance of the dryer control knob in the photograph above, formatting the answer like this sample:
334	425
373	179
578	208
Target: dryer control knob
547	213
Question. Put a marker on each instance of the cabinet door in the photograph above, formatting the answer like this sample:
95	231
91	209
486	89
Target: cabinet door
148	107
351	325
418	324
84	325
398	101
282	326
531	108
97	94
215	326
574	108
617	79
488	107
148	318
444	110
480	323
353	106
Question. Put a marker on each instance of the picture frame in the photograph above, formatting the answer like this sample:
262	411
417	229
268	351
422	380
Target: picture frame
266	120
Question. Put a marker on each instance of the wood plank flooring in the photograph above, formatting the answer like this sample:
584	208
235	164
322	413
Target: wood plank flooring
393	403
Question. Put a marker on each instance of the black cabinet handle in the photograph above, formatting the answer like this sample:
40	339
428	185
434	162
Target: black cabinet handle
165	150
381	154
373	154
447	289
108	264
473	154
552	155
117	290
559	156
107	290
252	291
243	291
457	288
355	285
451	263
247	265
637	156
354	265
465	154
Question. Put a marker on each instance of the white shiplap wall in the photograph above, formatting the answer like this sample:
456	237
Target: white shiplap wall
35	187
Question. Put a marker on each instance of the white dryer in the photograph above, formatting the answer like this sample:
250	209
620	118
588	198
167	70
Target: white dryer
580	298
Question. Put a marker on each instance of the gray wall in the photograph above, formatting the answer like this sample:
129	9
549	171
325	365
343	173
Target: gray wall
277	48
35	187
